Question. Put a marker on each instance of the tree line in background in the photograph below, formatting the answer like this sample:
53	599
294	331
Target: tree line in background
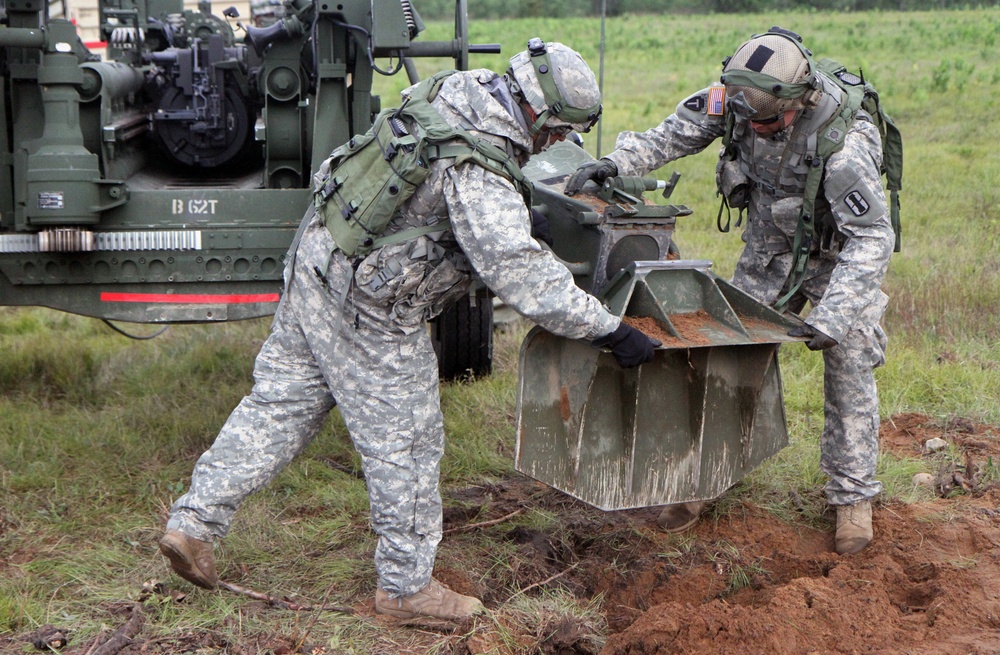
492	9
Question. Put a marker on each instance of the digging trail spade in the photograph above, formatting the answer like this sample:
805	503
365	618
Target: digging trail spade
688	425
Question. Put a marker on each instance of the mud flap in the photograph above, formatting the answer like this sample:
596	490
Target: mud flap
687	426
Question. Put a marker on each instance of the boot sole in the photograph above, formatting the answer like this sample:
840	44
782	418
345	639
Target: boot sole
852	547
183	566
422	621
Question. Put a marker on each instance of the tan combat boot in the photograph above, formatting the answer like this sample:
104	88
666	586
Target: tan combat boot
854	527
680	517
434	601
190	558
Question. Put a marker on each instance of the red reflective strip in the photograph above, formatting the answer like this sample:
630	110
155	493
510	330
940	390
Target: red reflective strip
190	298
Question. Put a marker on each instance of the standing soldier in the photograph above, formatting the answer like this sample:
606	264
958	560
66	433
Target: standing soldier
351	331
771	109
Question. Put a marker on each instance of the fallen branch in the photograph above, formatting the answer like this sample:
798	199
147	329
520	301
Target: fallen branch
543	582
124	635
283	603
484	524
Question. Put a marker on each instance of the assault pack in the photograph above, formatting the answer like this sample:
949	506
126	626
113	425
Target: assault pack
859	95
363	183
862	95
830	137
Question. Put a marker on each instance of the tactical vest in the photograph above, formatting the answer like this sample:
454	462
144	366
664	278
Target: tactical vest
360	188
819	133
785	175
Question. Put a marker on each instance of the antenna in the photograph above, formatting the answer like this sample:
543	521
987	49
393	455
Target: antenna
600	81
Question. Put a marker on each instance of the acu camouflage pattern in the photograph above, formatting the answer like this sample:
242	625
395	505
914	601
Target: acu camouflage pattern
353	334
844	275
574	81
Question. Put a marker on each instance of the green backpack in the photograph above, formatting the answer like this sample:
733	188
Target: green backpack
862	95
363	183
859	95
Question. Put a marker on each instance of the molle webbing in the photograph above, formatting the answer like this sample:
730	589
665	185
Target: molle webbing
370	177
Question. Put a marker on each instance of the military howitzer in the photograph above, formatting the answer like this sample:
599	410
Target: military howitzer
164	184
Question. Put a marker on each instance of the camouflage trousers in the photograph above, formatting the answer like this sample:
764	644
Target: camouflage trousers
332	346
849	443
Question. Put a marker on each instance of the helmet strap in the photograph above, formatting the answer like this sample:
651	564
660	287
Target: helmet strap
539	123
557	106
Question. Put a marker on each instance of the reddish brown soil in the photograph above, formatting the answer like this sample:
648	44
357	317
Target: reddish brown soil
929	584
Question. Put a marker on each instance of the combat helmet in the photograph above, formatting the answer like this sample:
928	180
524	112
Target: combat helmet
774	71
558	84
264	13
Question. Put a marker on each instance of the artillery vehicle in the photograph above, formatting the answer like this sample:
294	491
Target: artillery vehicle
164	184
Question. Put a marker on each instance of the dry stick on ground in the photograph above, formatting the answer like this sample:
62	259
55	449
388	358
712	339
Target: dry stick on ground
124	635
484	524
543	582
282	603
305	635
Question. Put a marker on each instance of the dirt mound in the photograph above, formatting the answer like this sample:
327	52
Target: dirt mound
927	584
742	581
746	582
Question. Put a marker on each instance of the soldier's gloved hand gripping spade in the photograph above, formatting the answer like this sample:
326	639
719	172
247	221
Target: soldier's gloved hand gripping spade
629	346
598	171
817	341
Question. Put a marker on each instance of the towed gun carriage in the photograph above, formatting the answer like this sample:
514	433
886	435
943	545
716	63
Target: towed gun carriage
165	184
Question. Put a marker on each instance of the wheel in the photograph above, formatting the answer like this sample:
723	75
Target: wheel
463	339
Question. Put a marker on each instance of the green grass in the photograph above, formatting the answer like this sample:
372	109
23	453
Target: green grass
98	434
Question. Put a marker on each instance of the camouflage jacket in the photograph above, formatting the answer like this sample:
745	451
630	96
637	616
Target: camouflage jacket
852	206
490	233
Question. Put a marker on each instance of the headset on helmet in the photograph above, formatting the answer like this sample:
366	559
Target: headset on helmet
558	84
774	71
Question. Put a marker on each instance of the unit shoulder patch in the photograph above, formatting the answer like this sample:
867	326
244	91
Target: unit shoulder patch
856	202
696	103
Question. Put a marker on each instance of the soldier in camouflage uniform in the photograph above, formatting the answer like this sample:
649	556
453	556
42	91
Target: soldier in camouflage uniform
352	333
764	172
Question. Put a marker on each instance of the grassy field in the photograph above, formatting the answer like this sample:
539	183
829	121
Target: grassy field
98	434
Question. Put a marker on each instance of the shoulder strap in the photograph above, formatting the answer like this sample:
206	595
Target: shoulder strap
433	142
436	133
728	153
827	140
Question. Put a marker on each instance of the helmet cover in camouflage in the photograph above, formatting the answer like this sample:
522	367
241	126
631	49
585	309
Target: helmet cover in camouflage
772	70
558	84
266	12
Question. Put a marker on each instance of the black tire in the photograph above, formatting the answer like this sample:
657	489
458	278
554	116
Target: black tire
463	339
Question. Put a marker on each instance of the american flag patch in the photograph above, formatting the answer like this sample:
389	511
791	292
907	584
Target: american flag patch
716	100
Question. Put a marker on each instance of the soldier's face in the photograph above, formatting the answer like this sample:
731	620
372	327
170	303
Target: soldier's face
549	135
780	122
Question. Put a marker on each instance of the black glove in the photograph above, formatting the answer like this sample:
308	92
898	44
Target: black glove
818	340
629	346
540	227
597	171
